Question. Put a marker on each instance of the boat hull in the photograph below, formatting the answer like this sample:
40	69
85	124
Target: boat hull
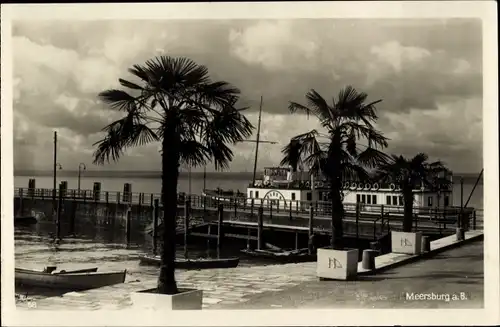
68	281
281	257
193	264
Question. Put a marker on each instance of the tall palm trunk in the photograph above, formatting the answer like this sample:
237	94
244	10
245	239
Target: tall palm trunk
170	175
337	215
408	208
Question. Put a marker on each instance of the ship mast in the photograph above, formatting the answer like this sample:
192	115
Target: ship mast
257	143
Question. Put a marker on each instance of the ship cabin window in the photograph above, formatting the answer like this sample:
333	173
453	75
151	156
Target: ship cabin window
374	199
429	201
388	200
251	194
363	198
401	201
395	200
309	196
446	201
256	194
358	198
368	199
293	196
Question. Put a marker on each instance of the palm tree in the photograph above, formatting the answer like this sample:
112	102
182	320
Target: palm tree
194	118
338	153
410	174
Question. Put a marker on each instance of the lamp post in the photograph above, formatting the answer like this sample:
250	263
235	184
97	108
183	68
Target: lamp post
80	167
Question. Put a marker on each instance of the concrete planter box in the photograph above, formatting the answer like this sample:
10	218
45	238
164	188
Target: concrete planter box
407	243
337	264
187	299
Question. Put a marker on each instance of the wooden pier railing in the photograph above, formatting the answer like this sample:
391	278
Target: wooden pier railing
291	208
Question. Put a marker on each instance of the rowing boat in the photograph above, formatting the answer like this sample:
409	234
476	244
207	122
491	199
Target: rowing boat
80	279
280	256
193	264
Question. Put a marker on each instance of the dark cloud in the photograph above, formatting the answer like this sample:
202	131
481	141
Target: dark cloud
412	65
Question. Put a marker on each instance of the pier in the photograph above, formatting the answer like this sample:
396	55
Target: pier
238	218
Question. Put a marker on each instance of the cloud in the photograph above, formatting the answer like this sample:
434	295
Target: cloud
427	72
273	44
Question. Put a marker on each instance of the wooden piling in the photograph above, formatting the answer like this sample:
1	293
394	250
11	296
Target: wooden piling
72	218
127	224
290	211
235	208
249	234
311	230
358	207
187	209
382	216
296	240
156	215
21	209
59	212
260	225
311	220
219	226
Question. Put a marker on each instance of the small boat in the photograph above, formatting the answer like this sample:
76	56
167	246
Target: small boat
75	280
193	264
283	256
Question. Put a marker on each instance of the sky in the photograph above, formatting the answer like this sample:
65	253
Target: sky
428	74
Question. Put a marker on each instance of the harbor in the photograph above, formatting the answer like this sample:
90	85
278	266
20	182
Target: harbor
153	183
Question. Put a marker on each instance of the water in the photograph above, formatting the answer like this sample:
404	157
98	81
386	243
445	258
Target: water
235	182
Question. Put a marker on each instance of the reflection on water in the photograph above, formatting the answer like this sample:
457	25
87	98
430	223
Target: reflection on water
103	248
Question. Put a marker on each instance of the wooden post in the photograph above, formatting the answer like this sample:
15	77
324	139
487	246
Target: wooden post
84	196
219	227
290	211
311	230
357	221
249	234
260	225
187	209
270	209
127	226
474	220
156	215
296	240
59	212
382	215
311	220
252	203
235	208
73	214
21	202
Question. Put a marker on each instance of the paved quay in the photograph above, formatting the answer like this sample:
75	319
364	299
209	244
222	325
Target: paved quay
455	271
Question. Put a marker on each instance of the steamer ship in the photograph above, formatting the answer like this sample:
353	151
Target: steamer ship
282	187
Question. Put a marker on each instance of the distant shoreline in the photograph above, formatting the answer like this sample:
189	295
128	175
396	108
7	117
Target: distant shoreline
157	174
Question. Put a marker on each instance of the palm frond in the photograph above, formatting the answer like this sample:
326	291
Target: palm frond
372	158
194	153
118	99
